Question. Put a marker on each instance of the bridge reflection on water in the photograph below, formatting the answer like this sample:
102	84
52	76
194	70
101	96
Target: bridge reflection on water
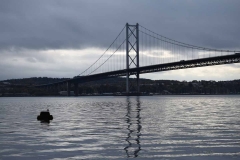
133	120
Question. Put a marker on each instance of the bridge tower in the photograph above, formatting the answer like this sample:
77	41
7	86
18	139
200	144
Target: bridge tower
132	55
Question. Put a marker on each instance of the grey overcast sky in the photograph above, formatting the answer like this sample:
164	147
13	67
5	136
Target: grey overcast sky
55	38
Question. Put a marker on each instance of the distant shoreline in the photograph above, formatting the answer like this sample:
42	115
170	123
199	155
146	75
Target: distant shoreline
130	95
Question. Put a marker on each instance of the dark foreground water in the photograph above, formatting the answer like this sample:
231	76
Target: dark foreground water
154	127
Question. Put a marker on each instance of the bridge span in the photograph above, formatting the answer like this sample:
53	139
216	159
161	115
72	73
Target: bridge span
220	60
139	50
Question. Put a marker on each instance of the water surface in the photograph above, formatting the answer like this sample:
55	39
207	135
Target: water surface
151	127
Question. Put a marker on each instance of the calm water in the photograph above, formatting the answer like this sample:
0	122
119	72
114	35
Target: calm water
155	127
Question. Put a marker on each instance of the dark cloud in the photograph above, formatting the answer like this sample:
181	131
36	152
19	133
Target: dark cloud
29	29
74	24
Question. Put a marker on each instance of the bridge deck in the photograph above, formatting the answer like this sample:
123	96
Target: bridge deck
219	60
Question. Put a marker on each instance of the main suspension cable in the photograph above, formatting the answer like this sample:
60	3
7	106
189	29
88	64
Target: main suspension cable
103	52
184	44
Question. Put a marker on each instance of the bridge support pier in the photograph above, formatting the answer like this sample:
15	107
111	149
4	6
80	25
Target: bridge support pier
68	88
76	90
59	88
48	88
132	46
138	85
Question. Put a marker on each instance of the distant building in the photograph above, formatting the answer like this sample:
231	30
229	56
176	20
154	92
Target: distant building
6	83
64	93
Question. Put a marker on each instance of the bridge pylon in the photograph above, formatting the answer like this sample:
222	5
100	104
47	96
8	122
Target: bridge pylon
132	56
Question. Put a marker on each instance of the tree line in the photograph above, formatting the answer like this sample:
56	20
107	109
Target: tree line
25	87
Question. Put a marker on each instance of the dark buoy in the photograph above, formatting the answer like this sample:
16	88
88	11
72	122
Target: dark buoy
45	116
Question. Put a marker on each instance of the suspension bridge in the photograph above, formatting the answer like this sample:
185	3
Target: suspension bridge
137	50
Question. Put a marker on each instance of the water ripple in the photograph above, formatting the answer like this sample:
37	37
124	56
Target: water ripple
155	127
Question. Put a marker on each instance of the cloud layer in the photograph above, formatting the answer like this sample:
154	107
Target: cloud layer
54	38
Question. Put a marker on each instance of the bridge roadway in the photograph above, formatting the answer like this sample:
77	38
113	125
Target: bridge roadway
219	60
